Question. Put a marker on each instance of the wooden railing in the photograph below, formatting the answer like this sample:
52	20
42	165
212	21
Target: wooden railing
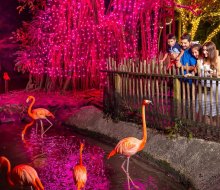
172	93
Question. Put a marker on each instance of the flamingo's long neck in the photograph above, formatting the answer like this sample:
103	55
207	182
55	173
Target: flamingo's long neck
144	127
30	107
9	174
80	156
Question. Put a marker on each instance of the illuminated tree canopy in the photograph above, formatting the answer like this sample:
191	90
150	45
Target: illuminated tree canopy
207	12
70	40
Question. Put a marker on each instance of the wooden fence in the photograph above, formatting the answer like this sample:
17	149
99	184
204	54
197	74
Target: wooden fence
195	98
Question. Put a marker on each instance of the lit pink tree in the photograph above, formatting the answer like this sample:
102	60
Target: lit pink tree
69	41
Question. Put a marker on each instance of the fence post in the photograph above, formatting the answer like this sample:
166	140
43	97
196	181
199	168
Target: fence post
118	85
176	89
177	95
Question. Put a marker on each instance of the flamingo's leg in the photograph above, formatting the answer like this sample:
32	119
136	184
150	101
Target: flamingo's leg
42	128
126	172
51	124
36	126
122	166
128	159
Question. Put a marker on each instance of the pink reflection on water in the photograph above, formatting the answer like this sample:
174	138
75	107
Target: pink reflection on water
149	184
54	158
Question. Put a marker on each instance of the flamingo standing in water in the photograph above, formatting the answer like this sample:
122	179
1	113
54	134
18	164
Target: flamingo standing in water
39	113
21	175
80	172
131	145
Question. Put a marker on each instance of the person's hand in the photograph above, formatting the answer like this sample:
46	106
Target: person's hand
177	59
195	70
211	71
187	75
178	64
161	61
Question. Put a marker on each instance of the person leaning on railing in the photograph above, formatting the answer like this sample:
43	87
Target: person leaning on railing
201	70
208	65
212	58
187	61
196	50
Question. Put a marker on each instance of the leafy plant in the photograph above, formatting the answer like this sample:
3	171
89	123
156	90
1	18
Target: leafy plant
179	128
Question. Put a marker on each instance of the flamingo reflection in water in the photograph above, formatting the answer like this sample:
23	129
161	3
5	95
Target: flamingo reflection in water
130	146
80	172
39	114
22	175
25	129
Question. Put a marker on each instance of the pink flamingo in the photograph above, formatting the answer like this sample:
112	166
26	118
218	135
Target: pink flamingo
131	145
39	113
21	175
80	172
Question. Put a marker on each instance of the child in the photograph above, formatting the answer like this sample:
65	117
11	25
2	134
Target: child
174	51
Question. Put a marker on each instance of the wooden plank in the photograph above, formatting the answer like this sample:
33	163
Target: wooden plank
141	80
161	86
183	95
137	82
157	84
153	80
145	79
210	97
149	80
193	99
217	103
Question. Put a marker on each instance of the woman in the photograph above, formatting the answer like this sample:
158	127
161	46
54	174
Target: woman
210	67
211	58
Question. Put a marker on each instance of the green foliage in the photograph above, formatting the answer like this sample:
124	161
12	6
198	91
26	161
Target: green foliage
179	128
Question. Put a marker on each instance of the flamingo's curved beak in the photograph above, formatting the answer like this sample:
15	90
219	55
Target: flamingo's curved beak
148	102
27	100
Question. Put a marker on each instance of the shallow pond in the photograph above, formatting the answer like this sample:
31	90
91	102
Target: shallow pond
57	153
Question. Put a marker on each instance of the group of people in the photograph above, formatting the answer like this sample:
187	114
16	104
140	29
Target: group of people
204	61
195	55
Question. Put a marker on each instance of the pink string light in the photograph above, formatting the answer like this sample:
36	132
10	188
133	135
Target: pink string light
74	38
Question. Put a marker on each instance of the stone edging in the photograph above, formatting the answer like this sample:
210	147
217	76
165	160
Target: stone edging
197	160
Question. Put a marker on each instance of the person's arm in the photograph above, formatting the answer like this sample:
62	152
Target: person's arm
191	64
190	68
178	64
180	55
164	57
217	73
197	69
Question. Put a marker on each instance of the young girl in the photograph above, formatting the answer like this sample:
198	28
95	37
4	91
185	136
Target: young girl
196	50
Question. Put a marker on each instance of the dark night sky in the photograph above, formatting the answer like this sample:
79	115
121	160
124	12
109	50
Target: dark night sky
10	20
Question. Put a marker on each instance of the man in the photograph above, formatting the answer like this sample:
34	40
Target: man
187	57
